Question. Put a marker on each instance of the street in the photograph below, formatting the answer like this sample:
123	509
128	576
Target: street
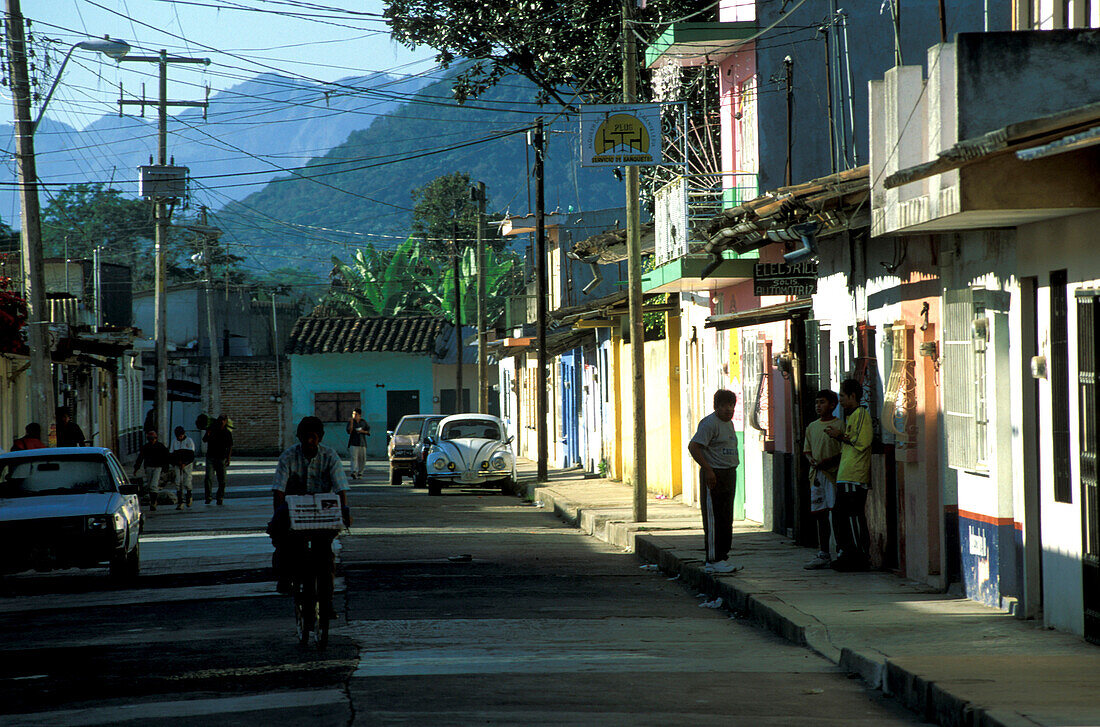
470	608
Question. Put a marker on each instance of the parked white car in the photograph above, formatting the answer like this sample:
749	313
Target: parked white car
470	450
68	507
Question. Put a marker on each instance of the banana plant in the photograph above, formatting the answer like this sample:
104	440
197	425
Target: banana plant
499	283
380	283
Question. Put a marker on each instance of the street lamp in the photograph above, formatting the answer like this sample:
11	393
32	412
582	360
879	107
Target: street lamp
40	374
114	49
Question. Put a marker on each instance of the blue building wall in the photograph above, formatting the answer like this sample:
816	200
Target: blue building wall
871	53
369	374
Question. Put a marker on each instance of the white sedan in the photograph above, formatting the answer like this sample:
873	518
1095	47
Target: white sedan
470	450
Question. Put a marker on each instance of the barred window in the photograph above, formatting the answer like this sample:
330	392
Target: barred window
965	332
335	406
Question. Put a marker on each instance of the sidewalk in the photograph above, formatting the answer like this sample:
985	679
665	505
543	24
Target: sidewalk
951	660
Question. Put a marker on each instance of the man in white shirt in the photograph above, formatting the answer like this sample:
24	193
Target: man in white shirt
181	453
714	448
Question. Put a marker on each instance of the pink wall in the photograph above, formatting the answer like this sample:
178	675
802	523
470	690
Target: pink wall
732	72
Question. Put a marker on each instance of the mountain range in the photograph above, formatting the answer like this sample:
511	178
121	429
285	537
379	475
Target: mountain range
360	192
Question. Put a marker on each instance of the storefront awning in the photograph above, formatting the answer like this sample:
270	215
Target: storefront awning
768	314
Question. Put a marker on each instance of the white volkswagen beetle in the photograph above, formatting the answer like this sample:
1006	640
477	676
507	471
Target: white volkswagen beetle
470	449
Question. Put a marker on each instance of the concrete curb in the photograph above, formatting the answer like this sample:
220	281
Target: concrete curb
925	698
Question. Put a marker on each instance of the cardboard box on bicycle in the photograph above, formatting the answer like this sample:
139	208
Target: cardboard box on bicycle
315	512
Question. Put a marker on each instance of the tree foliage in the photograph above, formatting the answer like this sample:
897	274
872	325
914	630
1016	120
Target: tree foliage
563	46
81	217
501	280
380	283
444	211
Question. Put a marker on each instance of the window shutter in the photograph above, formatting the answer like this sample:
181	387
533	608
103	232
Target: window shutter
958	379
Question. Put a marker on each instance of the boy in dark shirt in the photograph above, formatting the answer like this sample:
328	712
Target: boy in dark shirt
153	455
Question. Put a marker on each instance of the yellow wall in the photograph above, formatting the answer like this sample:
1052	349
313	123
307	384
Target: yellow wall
13	399
663	456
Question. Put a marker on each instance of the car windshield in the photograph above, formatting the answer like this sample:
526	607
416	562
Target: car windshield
430	427
409	425
472	429
39	476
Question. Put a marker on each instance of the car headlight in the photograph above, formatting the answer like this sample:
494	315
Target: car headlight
120	521
99	522
498	462
440	464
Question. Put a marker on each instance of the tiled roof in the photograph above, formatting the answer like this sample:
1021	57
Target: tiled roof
358	335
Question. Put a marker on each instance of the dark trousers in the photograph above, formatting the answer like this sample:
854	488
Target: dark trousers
717	508
214	467
824	530
850	522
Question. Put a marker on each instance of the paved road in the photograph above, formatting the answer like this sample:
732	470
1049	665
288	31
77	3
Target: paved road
470	608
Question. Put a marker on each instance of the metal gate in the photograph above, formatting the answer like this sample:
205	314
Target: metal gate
1087	358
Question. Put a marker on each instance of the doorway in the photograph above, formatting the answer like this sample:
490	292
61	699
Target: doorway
400	403
1088	362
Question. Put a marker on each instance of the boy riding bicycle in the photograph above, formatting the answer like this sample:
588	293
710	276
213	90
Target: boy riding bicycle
306	468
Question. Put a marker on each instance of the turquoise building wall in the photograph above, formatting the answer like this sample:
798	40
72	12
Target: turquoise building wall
371	375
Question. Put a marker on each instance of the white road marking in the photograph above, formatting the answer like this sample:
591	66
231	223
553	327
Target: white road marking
142	596
192	536
178	709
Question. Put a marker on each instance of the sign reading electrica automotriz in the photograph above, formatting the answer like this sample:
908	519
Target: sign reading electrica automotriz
784	278
621	135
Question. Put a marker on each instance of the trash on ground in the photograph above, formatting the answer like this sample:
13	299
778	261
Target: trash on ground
674	578
716	603
649	566
465	557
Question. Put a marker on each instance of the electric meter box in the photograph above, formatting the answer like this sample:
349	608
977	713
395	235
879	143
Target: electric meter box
162	182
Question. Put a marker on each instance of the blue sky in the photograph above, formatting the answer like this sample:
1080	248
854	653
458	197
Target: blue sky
240	44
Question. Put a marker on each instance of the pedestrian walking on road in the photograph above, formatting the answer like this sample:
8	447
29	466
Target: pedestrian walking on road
358	431
69	433
714	448
153	457
219	450
182	452
853	480
823	453
31	439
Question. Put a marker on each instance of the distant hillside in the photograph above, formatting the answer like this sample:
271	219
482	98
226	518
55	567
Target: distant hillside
302	222
269	114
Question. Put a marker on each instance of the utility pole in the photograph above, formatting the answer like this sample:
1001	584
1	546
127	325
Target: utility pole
162	214
482	302
458	323
541	383
788	68
634	279
827	29
40	390
214	397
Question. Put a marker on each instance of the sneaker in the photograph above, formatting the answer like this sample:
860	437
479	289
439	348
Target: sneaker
179	505
821	561
722	566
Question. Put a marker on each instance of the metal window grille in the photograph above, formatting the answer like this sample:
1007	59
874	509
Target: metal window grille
958	379
1088	341
811	376
335	406
1059	385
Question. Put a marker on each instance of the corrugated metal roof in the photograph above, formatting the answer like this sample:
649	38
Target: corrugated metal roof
314	335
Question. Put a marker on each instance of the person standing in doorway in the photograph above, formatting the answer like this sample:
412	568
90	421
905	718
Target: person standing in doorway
714	448
153	457
182	452
823	453
69	433
853	480
219	450
358	431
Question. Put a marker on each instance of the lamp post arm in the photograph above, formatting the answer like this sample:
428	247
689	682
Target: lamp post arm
53	87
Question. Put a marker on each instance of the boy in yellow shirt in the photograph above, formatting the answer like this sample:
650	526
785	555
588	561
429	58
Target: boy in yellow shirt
823	453
853	480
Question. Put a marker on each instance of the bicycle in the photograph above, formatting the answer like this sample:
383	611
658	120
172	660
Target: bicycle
315	521
312	582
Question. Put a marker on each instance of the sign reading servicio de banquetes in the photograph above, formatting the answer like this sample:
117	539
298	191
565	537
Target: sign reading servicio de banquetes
621	135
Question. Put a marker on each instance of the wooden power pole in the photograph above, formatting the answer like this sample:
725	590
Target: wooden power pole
634	280
542	420
482	302
40	389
